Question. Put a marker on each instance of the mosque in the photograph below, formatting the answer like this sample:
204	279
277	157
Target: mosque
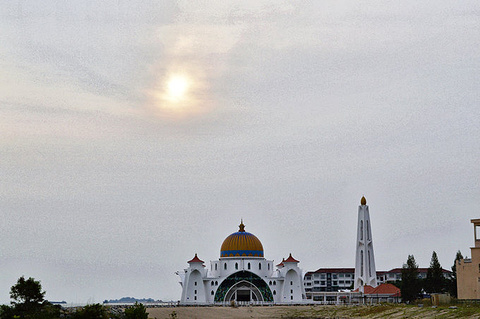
241	274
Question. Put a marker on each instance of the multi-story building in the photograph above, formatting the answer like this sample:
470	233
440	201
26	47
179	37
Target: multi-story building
337	279
468	270
329	279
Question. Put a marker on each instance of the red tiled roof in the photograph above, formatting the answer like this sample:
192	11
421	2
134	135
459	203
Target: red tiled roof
420	270
386	289
281	264
195	260
383	289
290	259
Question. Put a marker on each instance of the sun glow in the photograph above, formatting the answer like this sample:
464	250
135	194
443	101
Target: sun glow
177	88
180	94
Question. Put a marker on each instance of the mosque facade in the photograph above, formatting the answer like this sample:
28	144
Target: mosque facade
242	274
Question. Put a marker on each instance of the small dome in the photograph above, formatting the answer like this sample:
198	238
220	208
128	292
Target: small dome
241	244
363	201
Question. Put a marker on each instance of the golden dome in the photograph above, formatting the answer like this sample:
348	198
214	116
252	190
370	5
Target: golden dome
241	244
363	201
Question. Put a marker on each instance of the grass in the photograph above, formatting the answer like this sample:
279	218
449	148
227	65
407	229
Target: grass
384	311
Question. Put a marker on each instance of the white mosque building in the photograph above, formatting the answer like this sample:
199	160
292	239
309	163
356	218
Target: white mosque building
242	274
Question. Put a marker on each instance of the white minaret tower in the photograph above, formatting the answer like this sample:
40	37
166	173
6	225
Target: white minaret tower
365	272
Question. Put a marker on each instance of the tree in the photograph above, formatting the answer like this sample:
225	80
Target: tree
137	311
435	281
452	283
27	295
95	311
6	312
410	284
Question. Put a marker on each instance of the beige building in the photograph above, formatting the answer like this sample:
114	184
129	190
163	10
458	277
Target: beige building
468	269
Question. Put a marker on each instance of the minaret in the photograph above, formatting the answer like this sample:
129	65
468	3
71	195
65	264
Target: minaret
365	272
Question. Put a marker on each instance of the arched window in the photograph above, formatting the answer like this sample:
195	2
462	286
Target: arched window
274	292
248	266
195	292
216	283
291	283
195	298
236	266
195	283
213	283
361	263
225	266
368	265
211	293
291	297
368	231
291	291
270	283
268	266
215	266
259	266
274	282
361	230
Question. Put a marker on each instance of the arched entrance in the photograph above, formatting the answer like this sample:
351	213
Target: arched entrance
243	291
243	286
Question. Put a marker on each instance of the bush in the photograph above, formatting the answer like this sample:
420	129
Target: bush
95	311
137	311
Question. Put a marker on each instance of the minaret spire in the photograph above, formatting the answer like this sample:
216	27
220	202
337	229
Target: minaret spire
365	271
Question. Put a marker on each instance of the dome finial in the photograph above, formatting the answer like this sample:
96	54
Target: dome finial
363	201
241	226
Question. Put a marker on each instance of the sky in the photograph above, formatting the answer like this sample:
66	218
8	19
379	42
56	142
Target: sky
134	134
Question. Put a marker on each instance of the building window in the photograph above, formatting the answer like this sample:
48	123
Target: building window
322	283
368	231
195	283
291	291
291	297
334	276
268	266
213	283
195	291
195	298
236	266
259	266
361	230
215	266
248	265
216	283
369	265
291	283
361	263
274	282
211	293
225	266
270	282
274	292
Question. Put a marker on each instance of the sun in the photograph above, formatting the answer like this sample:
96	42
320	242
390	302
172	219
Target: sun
177	87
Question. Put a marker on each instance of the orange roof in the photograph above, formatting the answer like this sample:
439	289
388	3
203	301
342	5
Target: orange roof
195	260
383	289
386	289
290	259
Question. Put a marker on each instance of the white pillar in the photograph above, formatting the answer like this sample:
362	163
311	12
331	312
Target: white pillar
365	271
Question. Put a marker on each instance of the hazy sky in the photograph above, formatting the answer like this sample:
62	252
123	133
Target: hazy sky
135	134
